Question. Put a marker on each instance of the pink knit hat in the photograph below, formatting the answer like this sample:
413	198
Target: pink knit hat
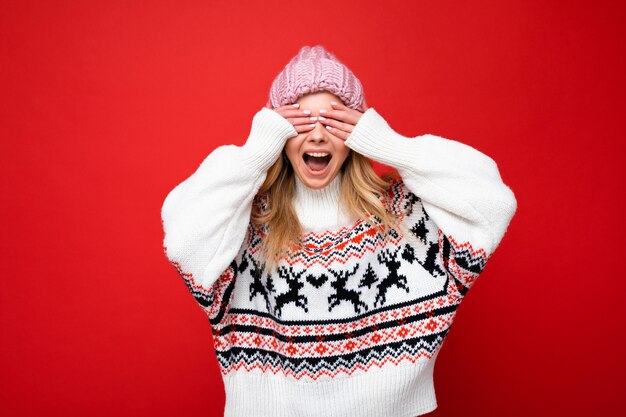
315	69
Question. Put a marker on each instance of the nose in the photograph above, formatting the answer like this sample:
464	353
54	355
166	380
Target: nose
318	134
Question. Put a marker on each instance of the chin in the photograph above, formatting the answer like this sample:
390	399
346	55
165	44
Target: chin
316	182
316	185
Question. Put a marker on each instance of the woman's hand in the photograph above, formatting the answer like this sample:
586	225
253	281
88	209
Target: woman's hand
341	120
300	119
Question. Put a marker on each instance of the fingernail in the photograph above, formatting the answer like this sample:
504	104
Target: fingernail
322	110
334	102
312	125
328	127
307	111
295	105
313	118
321	117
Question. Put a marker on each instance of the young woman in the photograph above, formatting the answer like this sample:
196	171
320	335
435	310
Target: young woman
329	289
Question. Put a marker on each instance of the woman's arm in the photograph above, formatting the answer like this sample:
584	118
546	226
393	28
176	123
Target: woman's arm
460	187
205	218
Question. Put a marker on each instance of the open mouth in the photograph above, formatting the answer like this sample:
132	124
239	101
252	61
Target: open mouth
317	163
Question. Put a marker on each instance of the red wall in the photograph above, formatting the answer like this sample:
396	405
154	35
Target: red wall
106	106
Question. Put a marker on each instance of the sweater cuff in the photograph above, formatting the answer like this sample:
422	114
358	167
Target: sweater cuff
374	138
268	136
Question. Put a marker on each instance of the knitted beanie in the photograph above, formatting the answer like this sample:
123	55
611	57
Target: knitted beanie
316	69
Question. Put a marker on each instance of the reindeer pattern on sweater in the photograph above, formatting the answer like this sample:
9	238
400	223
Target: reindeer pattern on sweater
343	298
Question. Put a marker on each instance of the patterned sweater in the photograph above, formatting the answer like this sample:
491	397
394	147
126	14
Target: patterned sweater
351	325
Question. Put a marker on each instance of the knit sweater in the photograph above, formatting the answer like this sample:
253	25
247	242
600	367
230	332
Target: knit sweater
352	323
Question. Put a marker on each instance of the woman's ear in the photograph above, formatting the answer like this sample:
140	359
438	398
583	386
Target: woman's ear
268	104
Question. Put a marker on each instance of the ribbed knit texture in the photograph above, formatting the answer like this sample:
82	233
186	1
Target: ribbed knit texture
398	391
316	69
318	209
271	131
352	322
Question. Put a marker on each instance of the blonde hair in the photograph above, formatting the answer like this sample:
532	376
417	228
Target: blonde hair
359	194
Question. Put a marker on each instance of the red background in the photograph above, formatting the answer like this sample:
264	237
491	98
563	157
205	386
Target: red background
106	106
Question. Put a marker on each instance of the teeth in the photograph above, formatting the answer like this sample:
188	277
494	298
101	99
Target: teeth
317	154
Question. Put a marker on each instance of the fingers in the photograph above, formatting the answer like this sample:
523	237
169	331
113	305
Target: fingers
339	120
337	128
294	113
341	113
289	110
303	124
301	120
336	124
303	128
304	120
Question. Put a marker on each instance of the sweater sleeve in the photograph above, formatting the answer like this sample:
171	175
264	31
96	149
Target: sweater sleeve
205	218
460	187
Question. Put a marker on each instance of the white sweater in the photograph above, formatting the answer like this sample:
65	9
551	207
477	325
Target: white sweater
352	324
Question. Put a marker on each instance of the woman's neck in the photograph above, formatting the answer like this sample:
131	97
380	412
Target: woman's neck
318	210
